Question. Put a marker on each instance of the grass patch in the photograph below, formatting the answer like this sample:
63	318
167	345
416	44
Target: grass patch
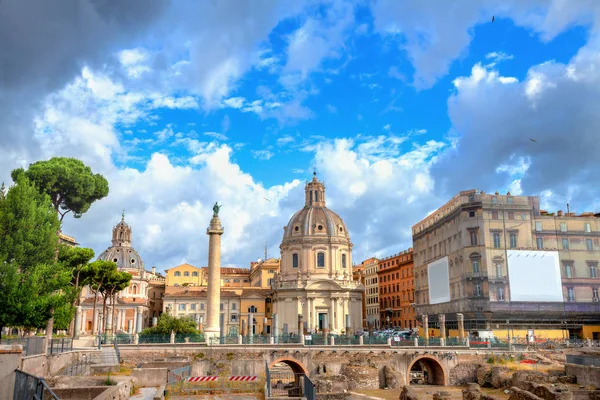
108	381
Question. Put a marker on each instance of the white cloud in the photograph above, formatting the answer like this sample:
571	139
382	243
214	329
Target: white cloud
264	154
332	109
284	140
186	102
216	135
234	102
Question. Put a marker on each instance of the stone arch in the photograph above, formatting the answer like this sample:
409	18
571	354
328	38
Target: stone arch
439	375
294	364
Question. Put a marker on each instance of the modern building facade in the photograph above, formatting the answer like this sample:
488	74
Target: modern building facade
396	291
371	293
315	281
498	261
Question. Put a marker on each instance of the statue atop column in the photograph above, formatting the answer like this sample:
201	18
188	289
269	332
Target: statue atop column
216	209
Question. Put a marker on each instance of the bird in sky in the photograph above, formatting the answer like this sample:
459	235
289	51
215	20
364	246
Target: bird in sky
266	199
533	140
493	18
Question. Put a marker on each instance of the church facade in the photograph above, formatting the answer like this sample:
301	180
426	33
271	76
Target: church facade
137	305
315	285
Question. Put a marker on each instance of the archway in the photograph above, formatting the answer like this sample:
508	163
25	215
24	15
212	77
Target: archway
285	377
426	370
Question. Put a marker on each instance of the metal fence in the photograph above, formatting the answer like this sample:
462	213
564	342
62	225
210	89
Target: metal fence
28	387
32	345
309	389
60	345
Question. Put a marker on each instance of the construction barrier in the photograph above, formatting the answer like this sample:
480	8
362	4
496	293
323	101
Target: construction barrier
244	378
202	378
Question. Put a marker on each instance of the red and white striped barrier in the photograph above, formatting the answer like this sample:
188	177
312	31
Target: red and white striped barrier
202	378
244	378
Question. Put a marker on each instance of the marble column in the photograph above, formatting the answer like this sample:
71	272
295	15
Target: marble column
95	316
83	321
275	328
214	232
338	314
332	315
77	323
461	326
425	320
135	318
140	319
442	323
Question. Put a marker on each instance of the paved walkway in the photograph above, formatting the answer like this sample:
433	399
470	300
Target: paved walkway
145	394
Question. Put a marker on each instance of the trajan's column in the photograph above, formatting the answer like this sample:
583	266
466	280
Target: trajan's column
214	232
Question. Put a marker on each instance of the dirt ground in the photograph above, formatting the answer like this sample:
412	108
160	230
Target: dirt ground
426	392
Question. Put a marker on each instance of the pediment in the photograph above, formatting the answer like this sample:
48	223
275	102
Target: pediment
323	285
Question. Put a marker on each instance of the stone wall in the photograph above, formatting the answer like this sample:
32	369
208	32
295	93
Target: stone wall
519	394
464	373
150	377
586	375
43	365
10	359
408	394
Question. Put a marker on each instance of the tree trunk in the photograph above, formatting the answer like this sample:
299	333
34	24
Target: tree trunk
94	312
104	314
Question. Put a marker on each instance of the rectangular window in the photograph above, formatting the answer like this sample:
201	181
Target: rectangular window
509	200
500	294
595	294
494	214
587	227
498	270
234	306
471	214
270	282
593	271
540	243
496	238
233	317
320	260
538	226
221	307
477	291
475	263
565	243
570	294
589	244
343	261
510	215
563	226
513	240
193	306
295	260
202	306
473	236
523	216
494	200
182	307
568	271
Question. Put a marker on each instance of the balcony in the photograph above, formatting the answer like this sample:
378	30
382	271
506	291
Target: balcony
497	278
475	275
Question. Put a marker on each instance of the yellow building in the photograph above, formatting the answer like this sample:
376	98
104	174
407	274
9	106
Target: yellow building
184	275
262	272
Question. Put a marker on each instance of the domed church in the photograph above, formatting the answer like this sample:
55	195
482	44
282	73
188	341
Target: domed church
315	280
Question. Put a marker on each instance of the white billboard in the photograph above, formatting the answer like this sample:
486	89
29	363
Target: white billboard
439	281
534	276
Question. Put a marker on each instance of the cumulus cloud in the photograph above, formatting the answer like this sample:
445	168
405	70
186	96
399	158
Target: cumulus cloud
496	118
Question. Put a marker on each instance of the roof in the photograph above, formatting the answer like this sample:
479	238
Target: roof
231	271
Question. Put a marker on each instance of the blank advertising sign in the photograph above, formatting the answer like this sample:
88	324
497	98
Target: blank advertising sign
439	281
534	276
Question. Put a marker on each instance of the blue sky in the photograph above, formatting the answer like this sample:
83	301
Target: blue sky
398	105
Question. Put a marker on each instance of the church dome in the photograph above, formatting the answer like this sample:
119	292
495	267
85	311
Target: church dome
315	219
121	252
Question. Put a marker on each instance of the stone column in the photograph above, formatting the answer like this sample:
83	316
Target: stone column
348	325
95	316
214	232
332	315
83	321
460	318
135	318
442	323
300	325
118	326
250	324
222	328
425	320
337	313
244	328
325	325
140	320
77	323
275	328
264	329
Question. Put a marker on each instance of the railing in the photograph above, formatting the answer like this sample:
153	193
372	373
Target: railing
60	345
28	387
309	389
583	360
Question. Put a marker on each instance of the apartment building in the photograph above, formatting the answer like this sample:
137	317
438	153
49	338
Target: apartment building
396	290
358	275
371	295
498	261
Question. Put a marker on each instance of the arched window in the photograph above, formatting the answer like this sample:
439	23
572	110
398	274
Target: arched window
316	196
343	261
177	273
134	289
186	273
194	273
295	260
320	260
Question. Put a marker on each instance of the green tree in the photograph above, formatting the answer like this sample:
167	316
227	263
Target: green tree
114	282
77	260
97	273
29	276
71	184
168	323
